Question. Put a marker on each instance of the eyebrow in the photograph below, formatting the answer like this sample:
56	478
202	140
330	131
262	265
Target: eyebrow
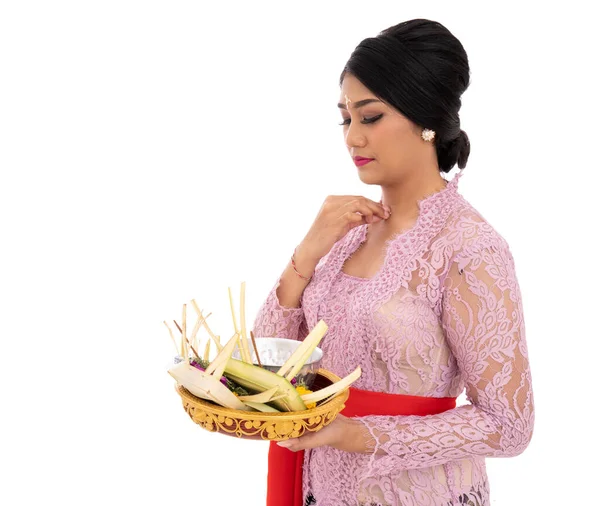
360	103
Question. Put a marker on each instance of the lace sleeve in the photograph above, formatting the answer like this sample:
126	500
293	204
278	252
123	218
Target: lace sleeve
275	320
482	317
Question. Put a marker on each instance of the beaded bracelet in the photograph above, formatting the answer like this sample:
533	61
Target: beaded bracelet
296	270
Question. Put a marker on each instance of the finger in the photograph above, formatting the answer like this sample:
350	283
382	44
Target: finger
299	443
291	444
352	220
367	208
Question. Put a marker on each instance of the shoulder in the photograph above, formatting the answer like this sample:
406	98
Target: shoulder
468	233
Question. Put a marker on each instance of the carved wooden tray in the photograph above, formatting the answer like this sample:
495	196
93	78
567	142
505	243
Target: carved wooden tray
265	426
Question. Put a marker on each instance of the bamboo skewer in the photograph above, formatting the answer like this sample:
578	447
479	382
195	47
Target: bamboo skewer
207	350
183	335
215	338
243	354
193	339
235	327
191	346
193	349
245	345
255	348
172	337
183	331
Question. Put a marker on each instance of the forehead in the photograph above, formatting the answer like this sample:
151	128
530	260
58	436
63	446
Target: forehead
354	90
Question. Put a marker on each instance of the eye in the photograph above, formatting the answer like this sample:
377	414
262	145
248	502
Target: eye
364	121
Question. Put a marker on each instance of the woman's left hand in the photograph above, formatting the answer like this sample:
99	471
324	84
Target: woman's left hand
343	434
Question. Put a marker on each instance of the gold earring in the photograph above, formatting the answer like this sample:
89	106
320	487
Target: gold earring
427	135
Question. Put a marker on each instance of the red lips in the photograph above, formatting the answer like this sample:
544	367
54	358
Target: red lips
360	161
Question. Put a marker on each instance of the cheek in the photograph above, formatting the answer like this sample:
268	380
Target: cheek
403	131
391	139
385	135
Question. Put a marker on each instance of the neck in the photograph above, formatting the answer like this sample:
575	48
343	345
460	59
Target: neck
403	197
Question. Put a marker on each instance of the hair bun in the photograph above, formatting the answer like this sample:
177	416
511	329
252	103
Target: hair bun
464	149
453	152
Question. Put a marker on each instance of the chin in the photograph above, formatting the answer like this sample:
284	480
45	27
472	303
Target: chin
367	178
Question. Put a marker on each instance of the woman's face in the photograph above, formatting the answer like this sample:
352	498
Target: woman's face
377	130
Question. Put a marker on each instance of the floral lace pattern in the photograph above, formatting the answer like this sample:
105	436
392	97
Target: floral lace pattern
443	314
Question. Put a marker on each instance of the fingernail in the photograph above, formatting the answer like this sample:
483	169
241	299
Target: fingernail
386	214
285	444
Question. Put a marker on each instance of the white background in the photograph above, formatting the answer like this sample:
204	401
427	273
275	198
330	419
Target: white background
154	152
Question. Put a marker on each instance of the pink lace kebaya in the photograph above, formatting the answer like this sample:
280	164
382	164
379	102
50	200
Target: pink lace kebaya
443	313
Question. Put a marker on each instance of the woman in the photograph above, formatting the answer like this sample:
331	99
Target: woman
418	289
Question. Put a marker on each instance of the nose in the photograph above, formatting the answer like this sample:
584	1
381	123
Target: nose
354	136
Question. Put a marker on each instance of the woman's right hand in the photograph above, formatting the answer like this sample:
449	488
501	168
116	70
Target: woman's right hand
338	215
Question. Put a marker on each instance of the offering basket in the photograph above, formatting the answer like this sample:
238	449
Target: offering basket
266	426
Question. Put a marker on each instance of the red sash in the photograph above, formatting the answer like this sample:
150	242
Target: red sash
284	480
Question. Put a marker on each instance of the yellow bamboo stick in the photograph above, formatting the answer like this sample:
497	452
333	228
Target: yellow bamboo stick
183	336
245	346
207	350
172	337
215	338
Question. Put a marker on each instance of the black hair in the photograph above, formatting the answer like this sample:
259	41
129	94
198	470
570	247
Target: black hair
422	70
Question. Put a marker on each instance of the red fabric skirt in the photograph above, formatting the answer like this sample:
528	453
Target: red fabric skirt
284	479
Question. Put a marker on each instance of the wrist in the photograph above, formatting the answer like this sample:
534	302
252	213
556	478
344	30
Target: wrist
305	261
306	255
298	273
356	435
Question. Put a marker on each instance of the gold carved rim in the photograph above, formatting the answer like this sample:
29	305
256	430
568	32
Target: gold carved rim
258	425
